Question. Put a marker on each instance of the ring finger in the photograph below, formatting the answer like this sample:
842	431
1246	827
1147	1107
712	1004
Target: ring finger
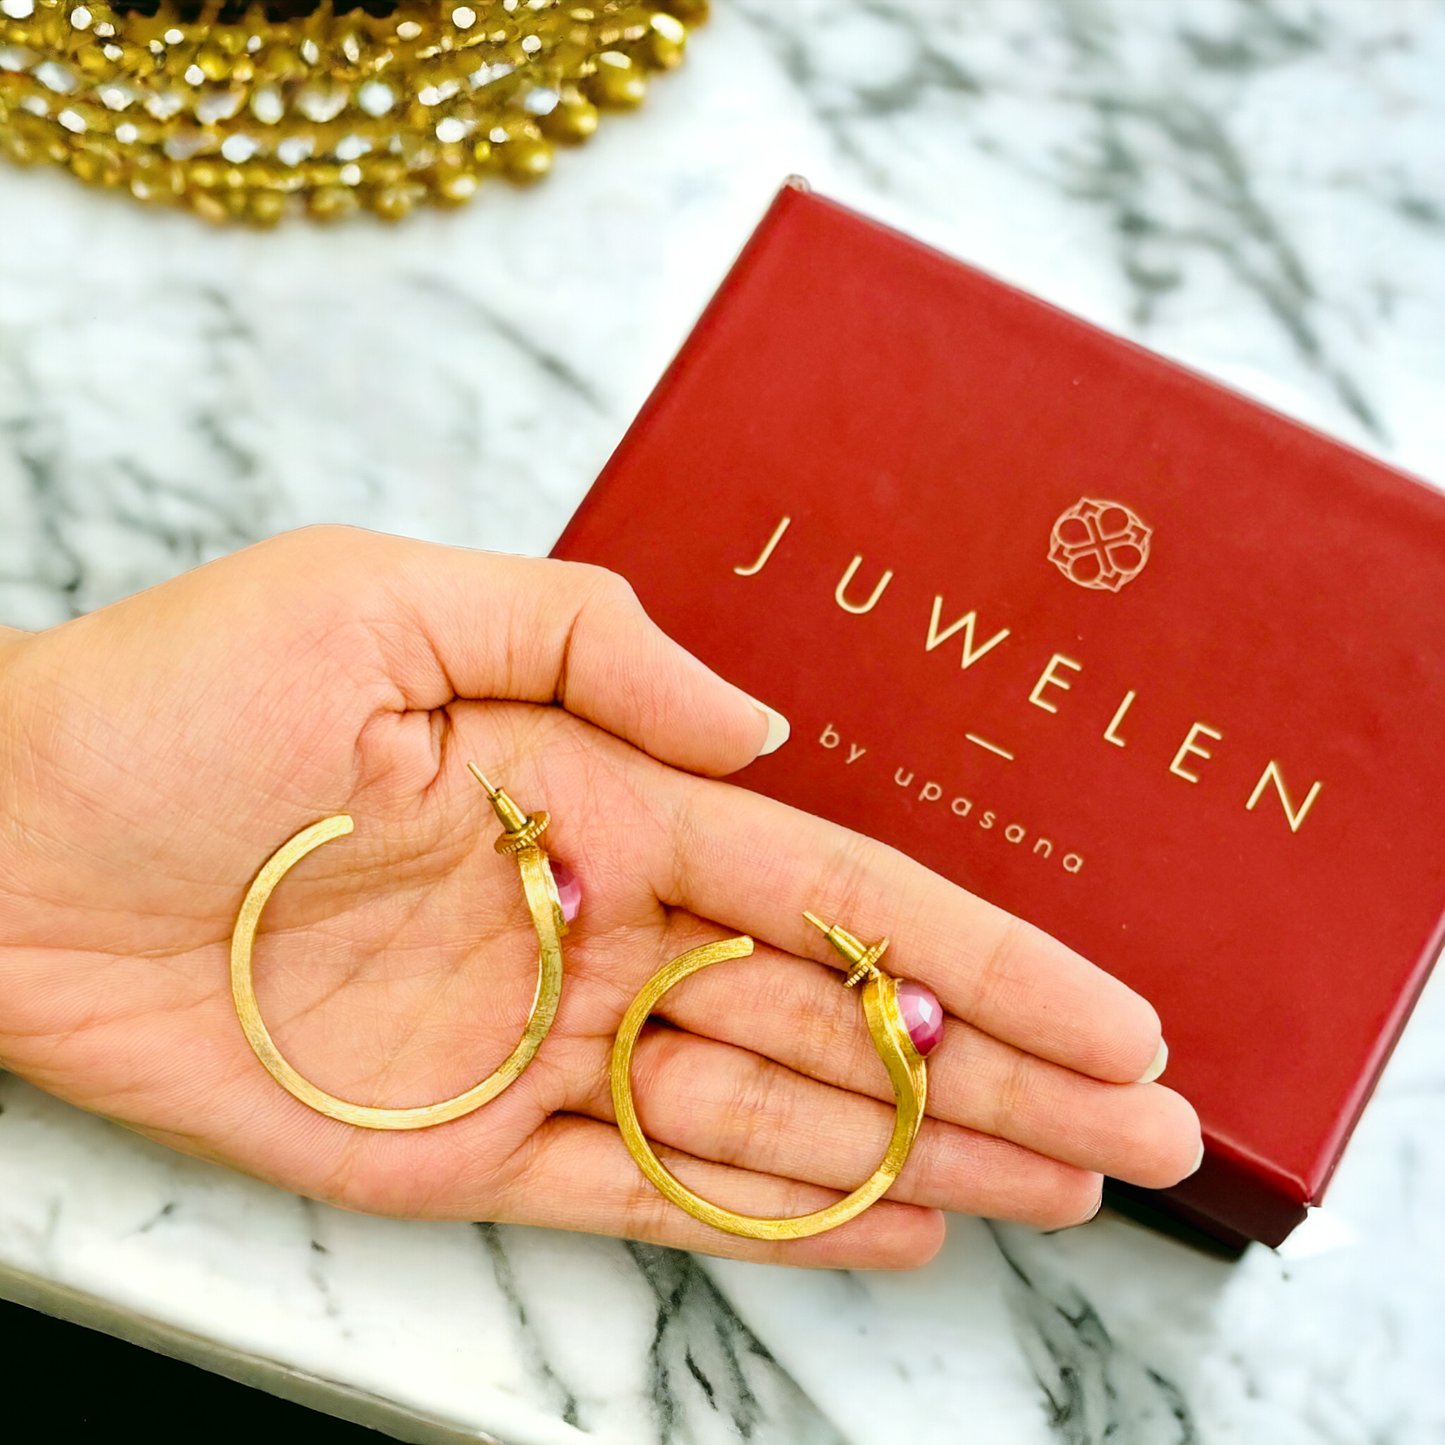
727	1104
794	1011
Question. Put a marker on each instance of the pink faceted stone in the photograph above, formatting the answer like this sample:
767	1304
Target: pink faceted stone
922	1015
569	889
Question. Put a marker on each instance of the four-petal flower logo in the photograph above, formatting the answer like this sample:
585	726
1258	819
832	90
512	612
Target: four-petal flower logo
1099	544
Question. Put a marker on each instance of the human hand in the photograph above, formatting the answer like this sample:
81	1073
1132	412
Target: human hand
160	749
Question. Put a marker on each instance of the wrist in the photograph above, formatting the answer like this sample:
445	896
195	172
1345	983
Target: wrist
14	646
12	643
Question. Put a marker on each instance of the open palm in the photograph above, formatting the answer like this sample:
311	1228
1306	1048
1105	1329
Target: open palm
160	749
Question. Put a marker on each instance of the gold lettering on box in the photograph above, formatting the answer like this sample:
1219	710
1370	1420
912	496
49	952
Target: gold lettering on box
989	747
1047	678
1190	748
766	552
1295	818
858	608
1110	733
960	806
1051	676
967	623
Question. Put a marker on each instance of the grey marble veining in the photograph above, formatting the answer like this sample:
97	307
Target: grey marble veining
1256	187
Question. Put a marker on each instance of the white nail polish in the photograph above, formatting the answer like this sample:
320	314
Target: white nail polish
1198	1160
1161	1060
779	728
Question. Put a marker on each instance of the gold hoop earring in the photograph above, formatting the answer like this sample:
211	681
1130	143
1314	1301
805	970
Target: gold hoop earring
551	913
904	1029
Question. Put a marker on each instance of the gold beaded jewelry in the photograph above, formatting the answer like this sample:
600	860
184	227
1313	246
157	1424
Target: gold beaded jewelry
518	840
893	1037
218	107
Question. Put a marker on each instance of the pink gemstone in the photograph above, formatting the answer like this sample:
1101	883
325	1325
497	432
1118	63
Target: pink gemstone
569	889
922	1015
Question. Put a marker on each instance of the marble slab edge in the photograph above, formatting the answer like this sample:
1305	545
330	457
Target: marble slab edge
314	1392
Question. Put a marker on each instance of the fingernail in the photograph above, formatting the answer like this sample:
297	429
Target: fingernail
1198	1160
779	728
1089	1218
1161	1060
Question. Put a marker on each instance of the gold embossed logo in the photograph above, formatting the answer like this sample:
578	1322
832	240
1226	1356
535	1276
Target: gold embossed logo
1101	545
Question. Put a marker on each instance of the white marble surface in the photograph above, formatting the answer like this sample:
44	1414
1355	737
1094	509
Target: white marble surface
1256	187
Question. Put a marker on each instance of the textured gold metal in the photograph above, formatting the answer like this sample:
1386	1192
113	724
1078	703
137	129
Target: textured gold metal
531	830
862	956
907	1073
546	911
253	119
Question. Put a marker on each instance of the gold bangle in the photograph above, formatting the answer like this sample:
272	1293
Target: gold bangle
253	116
519	840
902	1058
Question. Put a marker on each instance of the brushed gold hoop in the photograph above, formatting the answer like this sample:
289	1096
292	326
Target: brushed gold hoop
547	918
907	1072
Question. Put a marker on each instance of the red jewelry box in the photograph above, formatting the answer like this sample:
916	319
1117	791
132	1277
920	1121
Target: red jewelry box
1115	648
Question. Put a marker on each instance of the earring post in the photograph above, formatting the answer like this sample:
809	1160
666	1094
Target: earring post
861	957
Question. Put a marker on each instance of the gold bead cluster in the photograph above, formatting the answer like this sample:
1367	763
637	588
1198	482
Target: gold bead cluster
257	119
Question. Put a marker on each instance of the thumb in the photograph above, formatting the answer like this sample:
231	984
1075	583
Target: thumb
536	630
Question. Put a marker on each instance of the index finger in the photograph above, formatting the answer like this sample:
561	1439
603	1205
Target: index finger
753	864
